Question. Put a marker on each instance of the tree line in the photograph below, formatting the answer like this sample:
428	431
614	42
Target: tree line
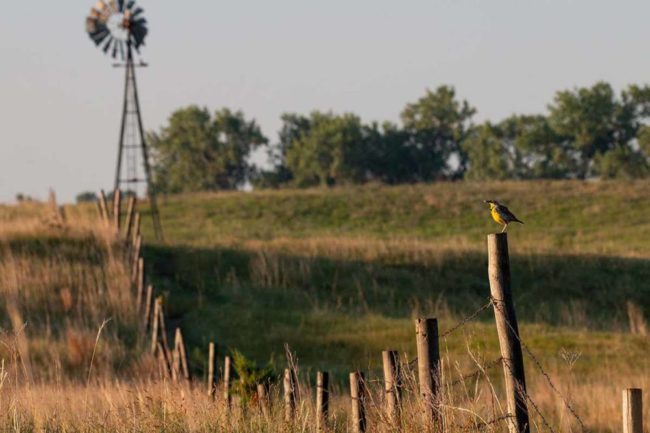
588	132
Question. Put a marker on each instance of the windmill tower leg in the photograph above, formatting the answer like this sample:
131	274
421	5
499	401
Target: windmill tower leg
132	128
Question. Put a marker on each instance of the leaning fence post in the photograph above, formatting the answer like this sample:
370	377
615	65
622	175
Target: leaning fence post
632	410
139	285
136	258
211	354
128	221
289	386
322	400
155	325
392	384
428	350
181	356
117	208
146	315
103	205
508	330
358	398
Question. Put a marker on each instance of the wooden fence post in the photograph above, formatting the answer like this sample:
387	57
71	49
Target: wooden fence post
103	205
508	330
264	400
392	386
117	209
139	285
358	398
211	363
155	325
322	400
632	410
136	257
181	369
226	380
289	385
428	350
146	315
135	232
128	222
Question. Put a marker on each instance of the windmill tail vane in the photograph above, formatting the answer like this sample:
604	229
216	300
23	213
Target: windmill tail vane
118	27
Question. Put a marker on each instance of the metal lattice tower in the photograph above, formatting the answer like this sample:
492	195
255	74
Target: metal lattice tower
119	27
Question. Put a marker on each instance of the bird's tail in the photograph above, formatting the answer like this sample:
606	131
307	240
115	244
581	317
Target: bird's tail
518	221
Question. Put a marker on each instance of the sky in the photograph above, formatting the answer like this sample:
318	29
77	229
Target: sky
60	99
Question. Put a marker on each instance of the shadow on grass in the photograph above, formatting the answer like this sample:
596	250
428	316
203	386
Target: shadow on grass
257	301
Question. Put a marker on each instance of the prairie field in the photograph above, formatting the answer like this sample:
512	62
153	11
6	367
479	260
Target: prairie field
334	276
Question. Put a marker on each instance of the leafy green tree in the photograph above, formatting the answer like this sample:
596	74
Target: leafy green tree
196	151
437	124
329	149
593	121
488	155
622	162
538	152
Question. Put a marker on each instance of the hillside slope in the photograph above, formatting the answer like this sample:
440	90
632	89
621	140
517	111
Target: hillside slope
343	271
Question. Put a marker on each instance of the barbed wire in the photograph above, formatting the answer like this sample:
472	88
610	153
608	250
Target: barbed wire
538	364
476	373
465	320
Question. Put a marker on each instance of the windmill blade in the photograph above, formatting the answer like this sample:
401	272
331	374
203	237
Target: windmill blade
108	44
99	36
115	48
120	5
121	45
137	11
130	4
91	25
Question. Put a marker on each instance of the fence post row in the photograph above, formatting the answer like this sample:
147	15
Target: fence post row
428	351
322	400
130	211
358	399
508	330
632	410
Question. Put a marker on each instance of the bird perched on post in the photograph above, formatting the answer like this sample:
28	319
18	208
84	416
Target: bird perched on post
502	214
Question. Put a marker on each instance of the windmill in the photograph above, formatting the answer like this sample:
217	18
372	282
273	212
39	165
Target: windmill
119	28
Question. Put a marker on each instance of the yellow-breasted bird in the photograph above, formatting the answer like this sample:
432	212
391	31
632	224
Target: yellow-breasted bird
502	214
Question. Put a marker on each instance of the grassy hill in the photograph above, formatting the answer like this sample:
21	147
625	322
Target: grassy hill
342	272
339	275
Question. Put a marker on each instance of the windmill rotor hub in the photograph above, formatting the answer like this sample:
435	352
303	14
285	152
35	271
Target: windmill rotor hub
117	25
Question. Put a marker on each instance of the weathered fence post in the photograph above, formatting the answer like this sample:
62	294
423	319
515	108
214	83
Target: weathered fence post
130	211
264	400
139	285
428	350
322	400
289	386
392	386
117	209
146	315
226	381
632	410
135	232
136	257
508	330
358	398
180	357
211	363
103	205
155	325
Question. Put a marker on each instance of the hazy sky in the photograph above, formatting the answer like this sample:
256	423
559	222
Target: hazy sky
60	99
